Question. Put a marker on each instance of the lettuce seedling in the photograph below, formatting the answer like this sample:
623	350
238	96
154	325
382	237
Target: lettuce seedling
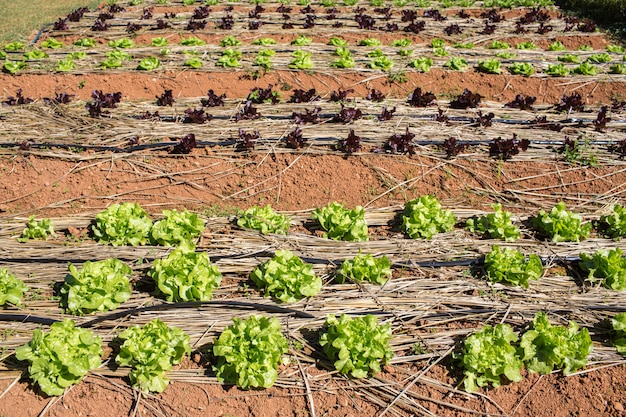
614	224
192	41
341	223
34	55
301	60
496	225
122	224
65	65
248	352
357	346
151	351
456	64
122	43
60	357
149	64
97	286
521	68
561	225
489	66
12	289
37	229
185	275
176	227
51	44
302	41
286	277
13	67
424	217
85	42
229	59
509	265
364	267
545	347
264	219
606	266
619	325
421	64
557	70
488	354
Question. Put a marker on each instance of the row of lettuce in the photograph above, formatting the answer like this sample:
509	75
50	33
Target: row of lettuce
301	59
188	275
249	351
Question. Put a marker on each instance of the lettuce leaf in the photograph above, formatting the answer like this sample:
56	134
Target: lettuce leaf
509	265
97	286
286	277
248	352
264	219
176	227
607	266
488	354
561	225
619	325
364	267
151	351
12	289
185	275
341	223
37	229
496	225
122	224
358	346
545	346
614	224
60	357
424	217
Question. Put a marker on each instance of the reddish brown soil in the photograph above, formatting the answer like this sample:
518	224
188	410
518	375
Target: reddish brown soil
206	179
142	86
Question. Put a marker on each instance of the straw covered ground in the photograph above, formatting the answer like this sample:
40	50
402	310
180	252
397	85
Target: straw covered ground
58	161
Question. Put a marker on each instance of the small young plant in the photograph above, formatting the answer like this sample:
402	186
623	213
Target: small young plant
176	227
421	64
496	225
487	355
122	224
286	277
364	267
606	266
489	66
61	357
456	64
185	275
545	347
510	266
97	286
12	289
37	229
149	64
614	224
424	217
263	219
151	351
561	225
357	346
249	351
619	326
341	223
302	60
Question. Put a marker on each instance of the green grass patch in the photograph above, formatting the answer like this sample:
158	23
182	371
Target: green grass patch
19	19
